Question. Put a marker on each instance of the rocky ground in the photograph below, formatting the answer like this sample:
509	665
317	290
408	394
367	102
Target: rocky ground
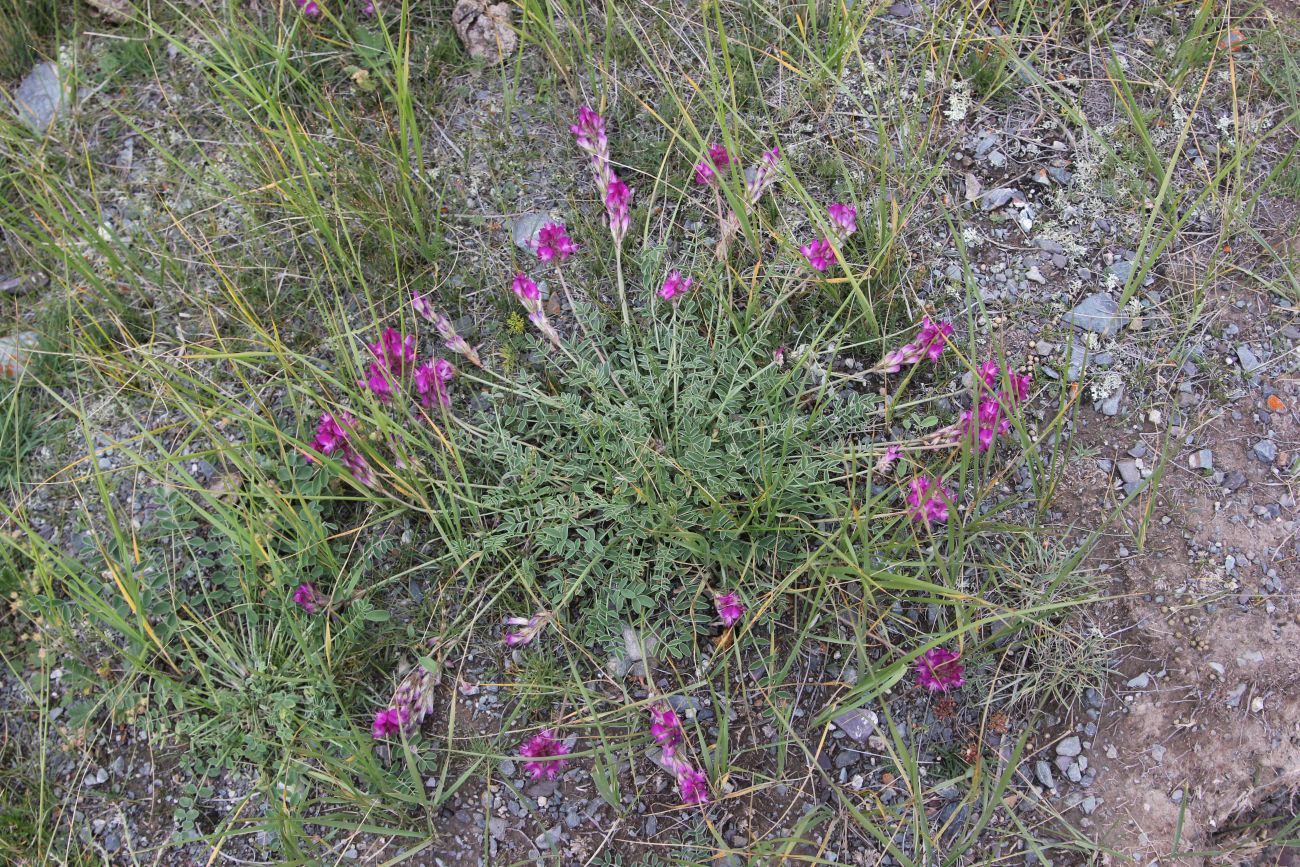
1180	448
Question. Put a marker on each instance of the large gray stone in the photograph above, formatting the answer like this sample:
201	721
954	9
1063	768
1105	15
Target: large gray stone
41	97
1098	313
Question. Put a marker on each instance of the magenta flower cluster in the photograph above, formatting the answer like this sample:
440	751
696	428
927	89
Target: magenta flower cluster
938	670
309	598
990	416
706	169
394	356
927	345
553	242
928	500
666	729
589	133
729	608
334	439
821	253
546	754
675	285
526	628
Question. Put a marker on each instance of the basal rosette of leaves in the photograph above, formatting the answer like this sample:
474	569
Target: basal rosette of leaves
705	472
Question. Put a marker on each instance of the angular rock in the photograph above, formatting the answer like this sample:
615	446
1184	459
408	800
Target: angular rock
1043	771
1070	747
41	97
996	198
1265	450
1201	460
857	723
1128	471
525	228
1097	313
1249	361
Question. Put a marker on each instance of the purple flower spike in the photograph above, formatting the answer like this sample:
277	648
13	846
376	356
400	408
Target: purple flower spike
718	158
389	721
990	415
819	254
589	130
546	754
393	350
309	598
377	382
693	785
665	727
422	307
928	500
844	219
525	288
553	243
675	285
729	608
939	671
928	344
431	383
529	628
764	175
332	438
617	200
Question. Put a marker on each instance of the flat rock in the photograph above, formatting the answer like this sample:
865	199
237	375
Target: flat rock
41	97
1070	747
525	228
1265	450
1202	459
1097	313
1249	361
1128	471
996	198
857	723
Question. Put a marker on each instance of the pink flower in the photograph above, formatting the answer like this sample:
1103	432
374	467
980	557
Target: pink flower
394	351
729	608
422	307
843	219
389	721
764	175
309	598
431	383
928	344
939	671
665	727
718	158
675	285
531	628
377	382
819	254
525	288
545	752
332	437
309	8
553	243
454	341
617	199
778	356
589	130
693	785
990	416
887	460
928	500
